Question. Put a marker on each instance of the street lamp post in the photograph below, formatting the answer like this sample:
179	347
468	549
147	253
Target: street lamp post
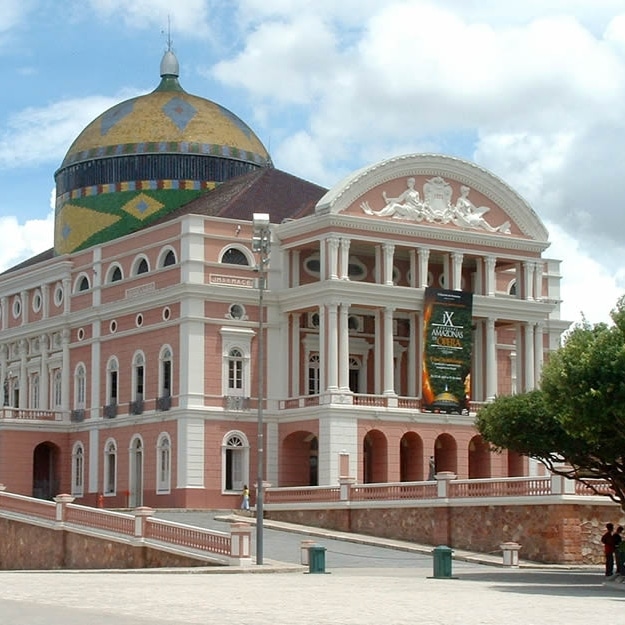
261	241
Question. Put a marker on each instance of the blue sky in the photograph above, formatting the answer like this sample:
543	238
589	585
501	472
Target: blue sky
533	91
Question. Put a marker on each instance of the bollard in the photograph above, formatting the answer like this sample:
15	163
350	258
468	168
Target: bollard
510	552
316	559
305	545
442	562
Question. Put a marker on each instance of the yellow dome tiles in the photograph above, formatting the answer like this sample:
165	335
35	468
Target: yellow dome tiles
142	206
167	122
75	224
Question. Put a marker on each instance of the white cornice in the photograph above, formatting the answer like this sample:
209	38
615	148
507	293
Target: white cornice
346	192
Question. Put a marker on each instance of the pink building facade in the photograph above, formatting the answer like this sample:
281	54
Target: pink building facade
130	358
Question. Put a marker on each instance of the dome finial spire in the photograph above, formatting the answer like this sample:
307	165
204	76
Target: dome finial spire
169	64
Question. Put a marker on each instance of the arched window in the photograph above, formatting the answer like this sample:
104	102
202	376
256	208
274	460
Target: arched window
34	391
235	461
235	369
169	259
110	467
234	256
165	379
115	274
138	381
80	387
78	470
57	389
313	374
163	470
83	284
112	388
142	267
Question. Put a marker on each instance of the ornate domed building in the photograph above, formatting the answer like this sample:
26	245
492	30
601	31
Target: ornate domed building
145	157
129	354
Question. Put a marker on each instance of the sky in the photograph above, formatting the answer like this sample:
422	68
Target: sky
533	91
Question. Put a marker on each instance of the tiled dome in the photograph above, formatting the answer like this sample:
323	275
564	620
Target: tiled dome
144	158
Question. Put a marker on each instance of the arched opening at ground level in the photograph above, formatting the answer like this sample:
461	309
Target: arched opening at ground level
375	458
446	454
479	458
46	480
411	458
299	460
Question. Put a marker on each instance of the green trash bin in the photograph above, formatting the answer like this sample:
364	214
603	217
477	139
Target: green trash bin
316	559
442	561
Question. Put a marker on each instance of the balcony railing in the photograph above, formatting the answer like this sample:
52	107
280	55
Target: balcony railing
77	416
163	403
234	402
136	407
110	411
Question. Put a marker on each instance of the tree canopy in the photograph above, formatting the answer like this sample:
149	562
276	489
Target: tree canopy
575	423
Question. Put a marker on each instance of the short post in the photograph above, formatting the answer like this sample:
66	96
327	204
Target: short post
2	487
240	541
141	515
345	487
304	546
442	483
61	502
442	562
510	552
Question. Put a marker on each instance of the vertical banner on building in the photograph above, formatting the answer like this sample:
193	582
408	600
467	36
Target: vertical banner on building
447	344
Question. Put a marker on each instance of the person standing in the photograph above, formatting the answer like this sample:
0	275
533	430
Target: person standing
619	553
608	549
245	503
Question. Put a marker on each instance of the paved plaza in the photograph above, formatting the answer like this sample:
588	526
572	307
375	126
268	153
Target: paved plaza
364	584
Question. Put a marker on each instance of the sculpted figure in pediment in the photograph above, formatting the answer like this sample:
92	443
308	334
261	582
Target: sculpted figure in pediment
407	205
467	215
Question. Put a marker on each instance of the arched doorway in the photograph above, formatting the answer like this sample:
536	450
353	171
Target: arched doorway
479	458
135	498
375	458
411	458
46	470
299	464
446	454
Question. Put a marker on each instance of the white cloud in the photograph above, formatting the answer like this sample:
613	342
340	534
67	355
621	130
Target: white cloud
44	134
189	17
21	241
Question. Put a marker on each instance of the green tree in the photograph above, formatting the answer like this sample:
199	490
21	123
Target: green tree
575	424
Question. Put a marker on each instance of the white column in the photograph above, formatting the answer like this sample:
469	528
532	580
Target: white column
332	342
529	356
295	354
538	281
377	353
323	260
412	356
389	383
520	355
389	249
378	265
538	353
491	359
420	354
456	258
413	268
95	367
44	375
45	301
333	258
25	307
528	274
343	348
5	312
295	267
67	295
24	381
323	352
424	258
65	372
477	374
345	243
490	262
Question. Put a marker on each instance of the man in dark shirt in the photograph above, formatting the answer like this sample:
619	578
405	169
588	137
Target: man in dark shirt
608	549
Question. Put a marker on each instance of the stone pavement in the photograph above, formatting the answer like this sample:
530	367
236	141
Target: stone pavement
395	590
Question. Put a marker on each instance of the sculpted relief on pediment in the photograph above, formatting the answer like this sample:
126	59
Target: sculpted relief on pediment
437	206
